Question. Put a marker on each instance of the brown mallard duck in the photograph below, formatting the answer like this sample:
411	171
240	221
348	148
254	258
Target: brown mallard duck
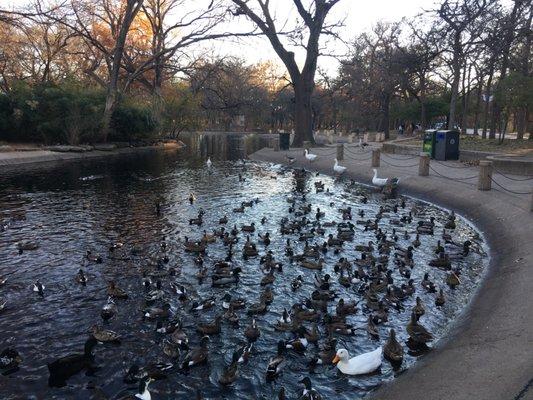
419	309
230	372
211	328
440	299
417	332
197	355
312	265
393	350
104	335
252	331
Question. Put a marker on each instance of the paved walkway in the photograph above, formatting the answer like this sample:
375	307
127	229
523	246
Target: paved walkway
488	355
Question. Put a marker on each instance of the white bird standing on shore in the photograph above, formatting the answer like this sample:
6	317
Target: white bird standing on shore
209	162
338	168
383	181
358	365
309	156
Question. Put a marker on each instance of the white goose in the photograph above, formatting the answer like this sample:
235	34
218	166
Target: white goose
383	181
209	162
309	156
338	168
358	365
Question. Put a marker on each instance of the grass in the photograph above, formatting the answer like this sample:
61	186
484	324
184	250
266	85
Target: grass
489	145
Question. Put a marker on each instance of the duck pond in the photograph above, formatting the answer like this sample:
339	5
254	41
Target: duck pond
133	215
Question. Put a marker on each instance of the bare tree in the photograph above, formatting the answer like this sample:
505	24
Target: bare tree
303	80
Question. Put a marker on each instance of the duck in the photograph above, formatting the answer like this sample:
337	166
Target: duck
142	392
212	328
383	181
38	287
326	355
300	343
179	336
10	360
157	313
197	355
452	280
344	308
428	285
194	247
109	310
417	332
202	305
312	265
115	292
93	258
223	220
248	228
208	163
257	308
236	304
63	368
275	364
440	299
230	372
171	349
297	283
393	350
244	352
371	328
104	335
309	393
419	309
3	304
338	168
81	278
359	365
252	332
309	156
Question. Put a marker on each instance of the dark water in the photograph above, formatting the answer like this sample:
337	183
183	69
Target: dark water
80	207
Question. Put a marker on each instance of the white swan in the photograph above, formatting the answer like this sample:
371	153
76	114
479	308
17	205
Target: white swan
338	168
359	365
209	162
383	181
309	156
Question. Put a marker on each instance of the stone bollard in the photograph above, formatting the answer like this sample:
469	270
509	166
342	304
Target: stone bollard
423	166
485	175
340	151
376	153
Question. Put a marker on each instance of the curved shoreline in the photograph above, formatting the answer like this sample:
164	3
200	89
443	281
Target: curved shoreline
487	353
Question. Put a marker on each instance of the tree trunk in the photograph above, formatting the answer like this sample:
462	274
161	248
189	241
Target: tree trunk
466	99
487	100
303	113
422	99
132	7
478	103
456	66
385	115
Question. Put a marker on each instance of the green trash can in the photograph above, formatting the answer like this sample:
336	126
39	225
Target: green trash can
428	142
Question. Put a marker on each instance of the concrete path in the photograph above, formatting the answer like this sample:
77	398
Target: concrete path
488	354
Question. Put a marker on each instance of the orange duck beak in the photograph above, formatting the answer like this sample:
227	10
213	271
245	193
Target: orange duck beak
336	359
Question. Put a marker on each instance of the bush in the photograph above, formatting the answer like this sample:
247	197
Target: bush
67	113
132	122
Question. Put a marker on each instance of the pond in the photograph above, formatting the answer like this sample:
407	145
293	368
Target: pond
73	208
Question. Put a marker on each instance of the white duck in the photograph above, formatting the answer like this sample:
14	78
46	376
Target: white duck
209	162
358	365
309	156
338	168
383	181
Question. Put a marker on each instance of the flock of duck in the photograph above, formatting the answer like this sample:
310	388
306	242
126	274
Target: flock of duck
379	278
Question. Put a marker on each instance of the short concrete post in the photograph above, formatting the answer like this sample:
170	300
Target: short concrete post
485	175
376	153
340	151
423	166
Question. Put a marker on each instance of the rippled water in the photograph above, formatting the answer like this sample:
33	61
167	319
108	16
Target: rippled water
80	207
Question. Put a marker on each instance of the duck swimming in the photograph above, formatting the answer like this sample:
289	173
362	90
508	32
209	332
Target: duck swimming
63	368
358	365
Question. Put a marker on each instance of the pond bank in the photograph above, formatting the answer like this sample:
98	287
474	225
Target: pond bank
30	158
487	354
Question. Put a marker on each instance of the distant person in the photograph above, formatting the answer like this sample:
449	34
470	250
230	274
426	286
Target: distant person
400	129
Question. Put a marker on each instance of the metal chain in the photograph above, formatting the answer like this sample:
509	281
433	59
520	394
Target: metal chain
507	190
399	166
512	179
452	179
